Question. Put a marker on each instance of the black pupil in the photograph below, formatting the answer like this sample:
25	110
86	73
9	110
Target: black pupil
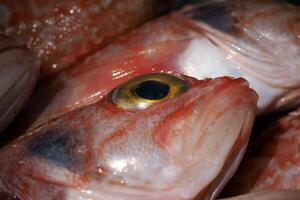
152	90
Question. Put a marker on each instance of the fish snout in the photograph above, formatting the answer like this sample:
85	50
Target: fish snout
209	132
210	106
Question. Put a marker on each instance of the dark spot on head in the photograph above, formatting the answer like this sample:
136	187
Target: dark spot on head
214	15
56	147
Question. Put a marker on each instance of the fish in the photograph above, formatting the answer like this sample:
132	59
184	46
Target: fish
62	32
157	136
274	162
256	40
269	195
19	72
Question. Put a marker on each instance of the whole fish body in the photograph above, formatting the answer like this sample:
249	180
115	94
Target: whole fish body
103	151
256	40
61	32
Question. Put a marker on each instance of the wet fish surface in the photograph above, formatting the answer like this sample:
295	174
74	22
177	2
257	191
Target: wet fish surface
162	151
81	137
257	40
274	163
61	32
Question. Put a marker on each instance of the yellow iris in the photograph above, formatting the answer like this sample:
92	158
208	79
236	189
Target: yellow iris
146	90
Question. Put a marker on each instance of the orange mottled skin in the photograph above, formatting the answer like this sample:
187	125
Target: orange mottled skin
275	163
162	152
62	32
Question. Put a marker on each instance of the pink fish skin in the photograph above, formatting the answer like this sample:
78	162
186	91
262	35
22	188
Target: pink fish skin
62	32
193	43
269	195
19	72
181	148
274	164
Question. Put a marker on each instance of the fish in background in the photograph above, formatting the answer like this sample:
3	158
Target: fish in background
152	137
256	40
62	32
274	162
85	144
19	72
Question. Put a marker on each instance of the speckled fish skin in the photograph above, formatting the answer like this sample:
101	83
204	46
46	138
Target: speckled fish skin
19	72
269	195
178	149
275	163
61	32
191	42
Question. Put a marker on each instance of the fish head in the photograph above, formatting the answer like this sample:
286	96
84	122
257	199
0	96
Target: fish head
182	135
176	138
256	40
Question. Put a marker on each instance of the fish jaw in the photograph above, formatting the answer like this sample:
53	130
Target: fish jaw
164	152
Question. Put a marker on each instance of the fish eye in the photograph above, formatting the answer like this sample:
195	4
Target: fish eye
146	90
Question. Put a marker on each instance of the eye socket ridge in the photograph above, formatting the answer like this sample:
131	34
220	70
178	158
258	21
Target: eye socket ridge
143	91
